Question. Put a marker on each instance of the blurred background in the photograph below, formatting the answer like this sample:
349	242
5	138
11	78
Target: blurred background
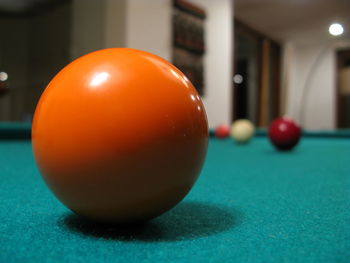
254	59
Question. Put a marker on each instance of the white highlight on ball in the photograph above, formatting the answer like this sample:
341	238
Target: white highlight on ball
99	78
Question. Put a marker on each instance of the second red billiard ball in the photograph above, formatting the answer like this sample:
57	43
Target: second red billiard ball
284	133
222	131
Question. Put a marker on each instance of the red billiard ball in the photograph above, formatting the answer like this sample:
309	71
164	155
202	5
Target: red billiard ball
120	135
4	87
222	131
284	133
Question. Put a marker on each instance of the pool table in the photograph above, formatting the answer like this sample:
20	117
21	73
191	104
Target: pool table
250	204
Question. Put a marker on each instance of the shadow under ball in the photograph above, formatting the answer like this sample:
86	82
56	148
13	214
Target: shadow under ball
120	135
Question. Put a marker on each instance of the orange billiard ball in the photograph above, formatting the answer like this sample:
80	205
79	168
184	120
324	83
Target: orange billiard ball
120	135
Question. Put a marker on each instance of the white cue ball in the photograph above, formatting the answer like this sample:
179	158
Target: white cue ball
242	131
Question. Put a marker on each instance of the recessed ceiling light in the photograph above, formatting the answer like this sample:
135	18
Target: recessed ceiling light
336	29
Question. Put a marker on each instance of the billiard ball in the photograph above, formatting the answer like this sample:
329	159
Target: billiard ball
222	131
120	135
284	133
242	130
4	86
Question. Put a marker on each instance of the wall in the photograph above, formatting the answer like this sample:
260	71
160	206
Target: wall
136	24
218	60
88	27
49	51
311	91
115	27
31	56
13	60
149	26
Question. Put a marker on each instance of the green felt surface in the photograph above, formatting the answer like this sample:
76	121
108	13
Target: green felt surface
340	133
251	204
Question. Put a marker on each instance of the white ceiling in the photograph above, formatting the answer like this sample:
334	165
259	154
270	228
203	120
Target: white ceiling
297	20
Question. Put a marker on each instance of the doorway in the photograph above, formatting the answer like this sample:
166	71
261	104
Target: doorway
343	89
256	79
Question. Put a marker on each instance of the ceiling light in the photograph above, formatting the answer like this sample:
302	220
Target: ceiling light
336	29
